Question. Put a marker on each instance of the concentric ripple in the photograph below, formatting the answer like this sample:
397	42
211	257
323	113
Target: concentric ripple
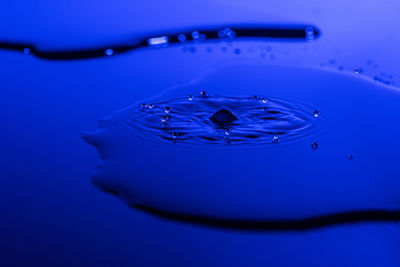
186	120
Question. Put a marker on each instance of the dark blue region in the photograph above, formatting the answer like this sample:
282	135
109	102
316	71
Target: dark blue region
297	33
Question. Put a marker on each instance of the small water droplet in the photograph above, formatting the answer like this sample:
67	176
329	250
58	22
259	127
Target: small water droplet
27	51
264	100
174	135
275	139
165	118
109	52
203	93
314	146
316	114
227	140
167	109
310	33
350	157
195	35
143	105
181	37
190	98
356	71
228	131
226	33
150	106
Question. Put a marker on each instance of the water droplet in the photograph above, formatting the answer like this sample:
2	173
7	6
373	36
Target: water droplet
231	34
27	51
310	33
264	100
203	93
109	52
195	35
174	135
165	118
181	37
316	114
255	96
150	106
356	71
228	131
226	33
314	146
227	140
190	98
275	139
350	157
167	109
143	105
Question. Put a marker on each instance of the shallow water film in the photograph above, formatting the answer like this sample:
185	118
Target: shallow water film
199	133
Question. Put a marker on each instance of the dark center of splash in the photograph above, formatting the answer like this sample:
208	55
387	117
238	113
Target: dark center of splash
223	117
189	120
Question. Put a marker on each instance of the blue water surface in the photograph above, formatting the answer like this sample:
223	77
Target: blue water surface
52	211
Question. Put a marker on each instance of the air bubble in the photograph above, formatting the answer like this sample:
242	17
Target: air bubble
264	100
275	139
109	52
314	146
228	131
203	93
350	157
150	106
27	51
190	98
356	71
167	110
143	105
316	114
